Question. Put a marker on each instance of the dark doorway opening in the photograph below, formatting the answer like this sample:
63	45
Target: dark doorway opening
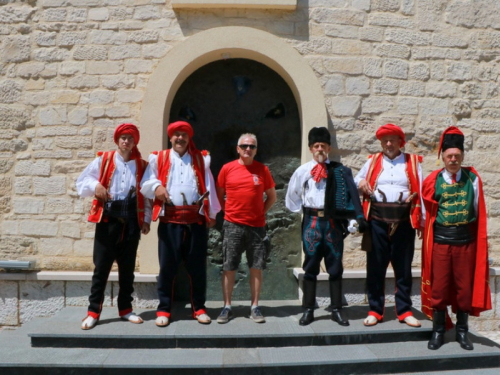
223	100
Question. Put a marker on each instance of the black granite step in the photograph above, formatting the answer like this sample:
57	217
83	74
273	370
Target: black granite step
280	330
240	347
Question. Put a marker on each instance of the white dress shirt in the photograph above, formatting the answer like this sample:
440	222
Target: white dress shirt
181	179
304	191
122	180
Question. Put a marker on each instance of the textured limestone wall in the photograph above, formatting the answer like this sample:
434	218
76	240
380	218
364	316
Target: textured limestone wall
71	70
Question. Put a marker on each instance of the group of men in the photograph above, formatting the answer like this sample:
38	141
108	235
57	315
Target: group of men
176	187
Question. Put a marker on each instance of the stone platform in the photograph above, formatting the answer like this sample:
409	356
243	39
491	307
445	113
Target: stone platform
57	345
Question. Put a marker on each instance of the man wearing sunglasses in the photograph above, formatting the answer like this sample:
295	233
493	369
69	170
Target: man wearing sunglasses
244	182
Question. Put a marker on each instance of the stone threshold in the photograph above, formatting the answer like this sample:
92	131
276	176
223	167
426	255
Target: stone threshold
151	278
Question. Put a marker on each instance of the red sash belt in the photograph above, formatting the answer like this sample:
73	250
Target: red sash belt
182	215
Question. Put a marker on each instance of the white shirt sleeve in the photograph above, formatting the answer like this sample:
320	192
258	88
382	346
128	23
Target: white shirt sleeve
362	173
293	199
210	185
150	179
88	179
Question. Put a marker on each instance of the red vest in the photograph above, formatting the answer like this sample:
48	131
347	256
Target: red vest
164	170
107	169
413	185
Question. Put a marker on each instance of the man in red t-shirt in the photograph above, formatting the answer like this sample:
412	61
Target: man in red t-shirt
243	182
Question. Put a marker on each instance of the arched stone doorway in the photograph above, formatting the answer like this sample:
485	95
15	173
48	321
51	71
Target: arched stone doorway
213	45
223	100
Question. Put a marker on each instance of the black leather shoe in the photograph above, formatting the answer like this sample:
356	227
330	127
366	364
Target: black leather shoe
436	341
337	317
307	318
463	340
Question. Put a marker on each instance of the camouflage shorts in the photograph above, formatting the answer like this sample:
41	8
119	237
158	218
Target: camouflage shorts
239	238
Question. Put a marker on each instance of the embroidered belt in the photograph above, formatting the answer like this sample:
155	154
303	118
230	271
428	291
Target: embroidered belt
454	234
182	215
390	212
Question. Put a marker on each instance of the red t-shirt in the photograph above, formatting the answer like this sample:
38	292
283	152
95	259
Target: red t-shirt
245	186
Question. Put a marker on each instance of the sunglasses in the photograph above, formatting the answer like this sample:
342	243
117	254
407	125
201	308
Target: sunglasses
244	147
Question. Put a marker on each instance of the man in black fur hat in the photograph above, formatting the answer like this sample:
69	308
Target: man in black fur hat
325	191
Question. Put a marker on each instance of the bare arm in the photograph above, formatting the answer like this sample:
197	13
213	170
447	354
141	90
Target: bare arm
220	195
270	200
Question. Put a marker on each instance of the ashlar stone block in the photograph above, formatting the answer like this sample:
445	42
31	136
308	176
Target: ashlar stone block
10	91
129	96
55	185
396	69
346	106
31	168
459	71
52	116
28	206
98	14
37	228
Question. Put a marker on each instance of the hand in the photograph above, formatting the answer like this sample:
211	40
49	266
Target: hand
161	194
101	193
420	233
365	187
211	223
145	228
353	226
362	225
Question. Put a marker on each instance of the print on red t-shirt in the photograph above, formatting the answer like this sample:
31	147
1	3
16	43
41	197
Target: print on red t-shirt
245	186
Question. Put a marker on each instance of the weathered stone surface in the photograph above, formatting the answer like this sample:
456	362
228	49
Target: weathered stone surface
481	14
69	39
459	72
343	65
386	86
376	105
396	69
9	301
339	16
15	14
90	53
357	86
40	298
419	71
15	118
407	37
52	116
10	91
107	37
442	89
51	54
55	185
30	168
345	106
392	50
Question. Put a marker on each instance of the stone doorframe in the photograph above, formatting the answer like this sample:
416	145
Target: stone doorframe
206	47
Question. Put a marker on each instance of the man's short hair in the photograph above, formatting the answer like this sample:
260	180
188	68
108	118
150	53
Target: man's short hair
248	135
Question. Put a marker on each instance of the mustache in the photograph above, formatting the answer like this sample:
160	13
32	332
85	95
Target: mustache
320	155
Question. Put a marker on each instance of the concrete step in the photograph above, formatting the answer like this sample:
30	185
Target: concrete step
280	330
359	353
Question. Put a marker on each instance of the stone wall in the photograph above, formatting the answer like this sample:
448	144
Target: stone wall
71	70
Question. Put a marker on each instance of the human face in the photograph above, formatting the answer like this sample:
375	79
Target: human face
125	144
180	142
320	151
391	145
452	158
247	153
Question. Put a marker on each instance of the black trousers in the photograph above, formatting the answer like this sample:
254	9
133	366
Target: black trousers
114	241
398	250
188	243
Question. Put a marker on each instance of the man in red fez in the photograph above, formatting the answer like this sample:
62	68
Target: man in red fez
455	248
182	186
390	182
121	214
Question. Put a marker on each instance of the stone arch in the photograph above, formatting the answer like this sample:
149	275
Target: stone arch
211	45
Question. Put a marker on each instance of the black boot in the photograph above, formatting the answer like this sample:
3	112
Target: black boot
438	330
336	302
308	301
461	329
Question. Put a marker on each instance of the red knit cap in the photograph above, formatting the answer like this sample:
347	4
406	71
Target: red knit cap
129	129
391	129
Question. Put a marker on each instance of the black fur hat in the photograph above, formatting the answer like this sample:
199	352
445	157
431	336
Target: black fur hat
319	134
